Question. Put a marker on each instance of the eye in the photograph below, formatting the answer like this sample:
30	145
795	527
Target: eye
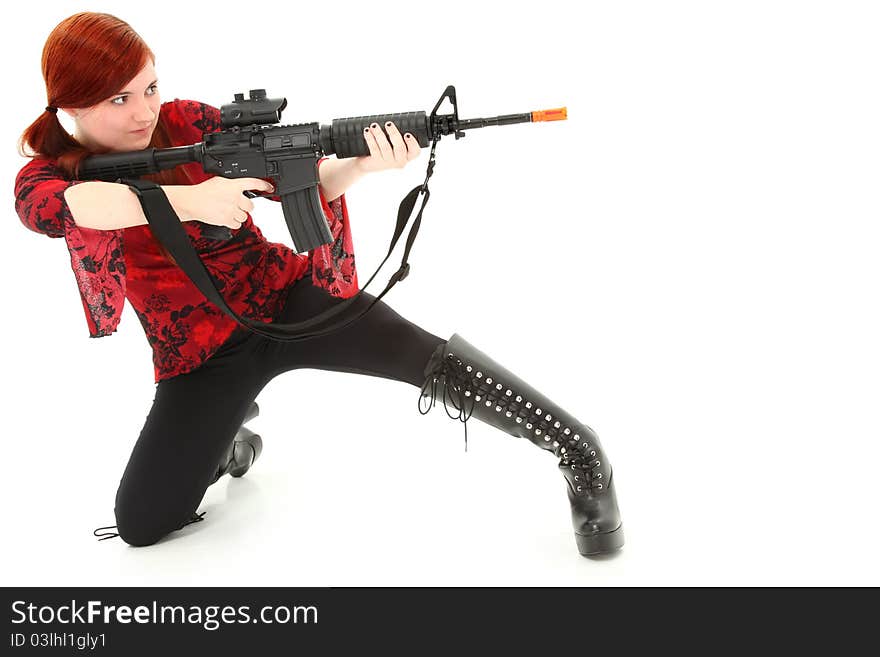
122	98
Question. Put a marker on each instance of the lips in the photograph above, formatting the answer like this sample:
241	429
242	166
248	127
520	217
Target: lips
140	132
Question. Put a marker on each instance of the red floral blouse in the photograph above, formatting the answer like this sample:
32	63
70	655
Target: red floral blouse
182	327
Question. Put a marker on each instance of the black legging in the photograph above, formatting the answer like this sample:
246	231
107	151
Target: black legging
196	415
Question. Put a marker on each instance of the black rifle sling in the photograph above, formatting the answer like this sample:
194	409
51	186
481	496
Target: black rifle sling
166	227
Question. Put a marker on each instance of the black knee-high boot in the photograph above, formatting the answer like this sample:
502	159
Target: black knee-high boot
479	387
244	449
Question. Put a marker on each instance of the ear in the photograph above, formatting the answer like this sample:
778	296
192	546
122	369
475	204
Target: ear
70	111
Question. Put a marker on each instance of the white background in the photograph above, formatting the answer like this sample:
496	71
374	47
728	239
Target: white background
688	264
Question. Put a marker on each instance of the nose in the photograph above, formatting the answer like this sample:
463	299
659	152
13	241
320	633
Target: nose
143	118
144	114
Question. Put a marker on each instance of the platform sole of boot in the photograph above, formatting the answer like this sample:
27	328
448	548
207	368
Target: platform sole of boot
596	544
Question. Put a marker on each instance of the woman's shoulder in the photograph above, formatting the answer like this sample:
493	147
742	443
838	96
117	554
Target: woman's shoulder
40	167
185	106
193	115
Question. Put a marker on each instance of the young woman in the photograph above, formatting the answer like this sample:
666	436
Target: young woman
208	369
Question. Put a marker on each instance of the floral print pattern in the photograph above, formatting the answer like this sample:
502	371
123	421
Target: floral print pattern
182	327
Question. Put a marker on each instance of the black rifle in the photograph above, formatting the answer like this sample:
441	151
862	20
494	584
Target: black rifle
251	146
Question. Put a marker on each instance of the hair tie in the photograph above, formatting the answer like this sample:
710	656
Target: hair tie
54	110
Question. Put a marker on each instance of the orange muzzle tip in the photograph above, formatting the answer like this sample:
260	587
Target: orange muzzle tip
558	114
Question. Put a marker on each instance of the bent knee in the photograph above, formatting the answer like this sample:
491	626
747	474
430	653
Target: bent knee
139	538
139	531
139	526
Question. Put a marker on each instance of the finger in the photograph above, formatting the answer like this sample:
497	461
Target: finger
371	143
397	143
249	184
255	183
382	141
412	144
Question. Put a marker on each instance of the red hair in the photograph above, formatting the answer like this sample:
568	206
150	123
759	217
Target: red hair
87	58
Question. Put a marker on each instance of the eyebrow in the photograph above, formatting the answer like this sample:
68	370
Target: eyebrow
121	93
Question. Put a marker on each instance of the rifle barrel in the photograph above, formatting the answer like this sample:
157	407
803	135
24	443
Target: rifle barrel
559	114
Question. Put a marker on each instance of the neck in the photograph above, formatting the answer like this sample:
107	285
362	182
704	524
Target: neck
83	140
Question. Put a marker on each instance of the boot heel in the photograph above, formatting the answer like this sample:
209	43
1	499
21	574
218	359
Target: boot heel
600	543
248	447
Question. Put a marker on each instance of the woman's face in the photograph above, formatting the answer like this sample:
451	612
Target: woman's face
112	123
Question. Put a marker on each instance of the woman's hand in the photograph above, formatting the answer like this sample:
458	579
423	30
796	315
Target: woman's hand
221	201
384	155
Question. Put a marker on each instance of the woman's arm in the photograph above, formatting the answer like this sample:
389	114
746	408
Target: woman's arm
336	175
109	206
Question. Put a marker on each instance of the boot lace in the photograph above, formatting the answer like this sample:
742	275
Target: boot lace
455	386
196	517
461	383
